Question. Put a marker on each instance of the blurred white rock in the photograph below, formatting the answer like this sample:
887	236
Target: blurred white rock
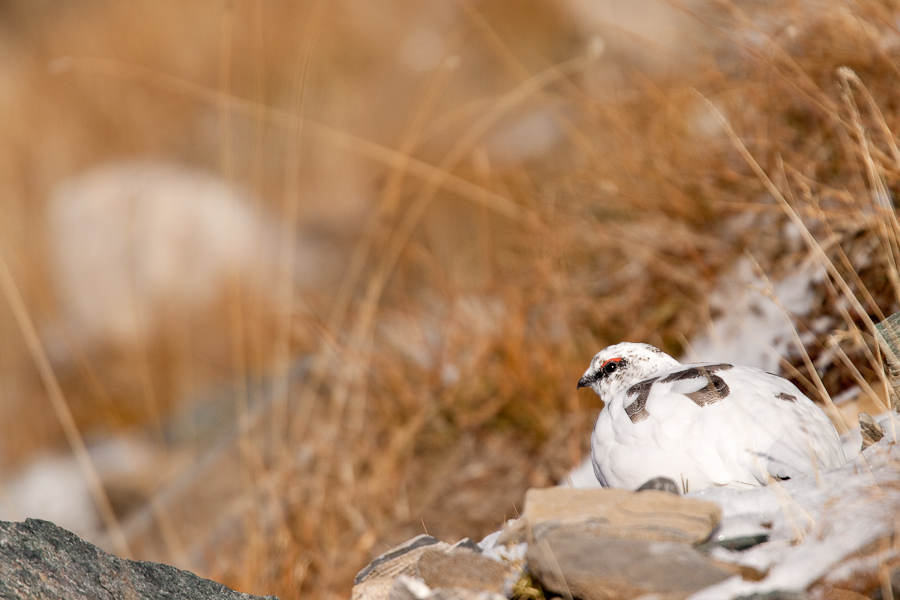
130	242
54	487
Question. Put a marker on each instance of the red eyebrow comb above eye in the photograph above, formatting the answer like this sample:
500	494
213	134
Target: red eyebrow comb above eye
611	360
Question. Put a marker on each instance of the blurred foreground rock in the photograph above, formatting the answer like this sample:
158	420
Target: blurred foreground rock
40	560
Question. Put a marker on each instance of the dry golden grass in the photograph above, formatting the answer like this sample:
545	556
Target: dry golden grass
442	360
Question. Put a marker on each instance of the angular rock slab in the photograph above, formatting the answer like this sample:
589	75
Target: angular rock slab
462	569
41	560
587	566
427	568
374	582
647	515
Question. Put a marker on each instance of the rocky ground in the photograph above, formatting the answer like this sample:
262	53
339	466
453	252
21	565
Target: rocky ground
832	537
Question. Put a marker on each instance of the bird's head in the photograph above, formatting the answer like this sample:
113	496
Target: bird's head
618	367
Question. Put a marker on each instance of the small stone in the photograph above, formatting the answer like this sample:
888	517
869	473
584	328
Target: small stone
616	513
871	430
662	484
515	531
589	566
735	544
887	333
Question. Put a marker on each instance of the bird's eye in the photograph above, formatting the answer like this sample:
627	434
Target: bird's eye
610	366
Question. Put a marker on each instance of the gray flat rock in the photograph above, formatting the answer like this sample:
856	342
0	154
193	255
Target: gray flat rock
41	560
588	566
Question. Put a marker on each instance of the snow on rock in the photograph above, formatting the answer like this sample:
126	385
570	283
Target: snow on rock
753	329
813	524
582	476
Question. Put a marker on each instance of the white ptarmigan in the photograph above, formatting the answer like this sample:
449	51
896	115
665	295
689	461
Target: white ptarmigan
701	425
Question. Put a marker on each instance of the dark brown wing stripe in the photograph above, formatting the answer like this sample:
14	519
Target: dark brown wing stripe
716	389
636	411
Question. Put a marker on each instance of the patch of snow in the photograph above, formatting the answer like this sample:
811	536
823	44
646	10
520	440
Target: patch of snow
513	555
753	329
581	476
417	588
52	488
846	396
851	442
55	488
502	553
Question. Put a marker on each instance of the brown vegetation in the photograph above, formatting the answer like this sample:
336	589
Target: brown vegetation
504	198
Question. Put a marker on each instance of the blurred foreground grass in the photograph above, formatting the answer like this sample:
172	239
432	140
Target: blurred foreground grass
504	189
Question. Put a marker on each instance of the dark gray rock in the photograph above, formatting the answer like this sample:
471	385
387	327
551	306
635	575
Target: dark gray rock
662	484
40	560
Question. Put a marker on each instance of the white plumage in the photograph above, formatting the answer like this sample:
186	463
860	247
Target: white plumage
701	425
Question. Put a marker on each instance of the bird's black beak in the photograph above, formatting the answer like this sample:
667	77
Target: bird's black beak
583	382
